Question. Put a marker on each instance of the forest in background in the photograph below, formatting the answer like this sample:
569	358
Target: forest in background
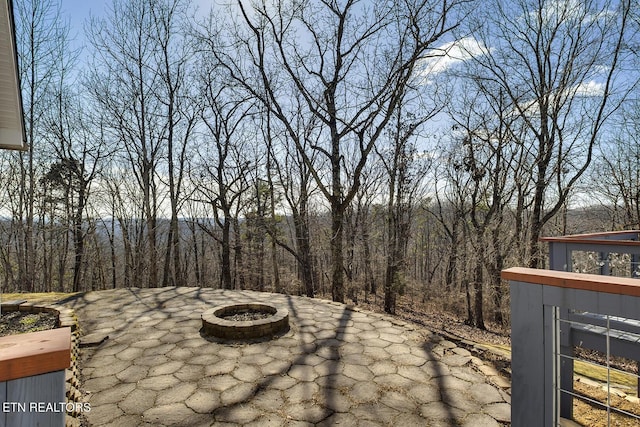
346	148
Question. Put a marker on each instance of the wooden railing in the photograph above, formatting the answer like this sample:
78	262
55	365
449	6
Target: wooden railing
565	255
562	249
541	331
32	378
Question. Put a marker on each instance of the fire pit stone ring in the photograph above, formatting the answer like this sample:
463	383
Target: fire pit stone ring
269	321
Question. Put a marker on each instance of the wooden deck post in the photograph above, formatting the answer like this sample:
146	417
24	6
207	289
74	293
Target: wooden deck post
32	390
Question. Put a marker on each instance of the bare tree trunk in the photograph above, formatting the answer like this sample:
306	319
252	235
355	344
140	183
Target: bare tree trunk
227	282
112	248
494	275
238	261
393	280
452	263
536	224
305	261
391	283
478	287
129	264
337	277
274	257
369	281
78	239
467	290
558	126
195	267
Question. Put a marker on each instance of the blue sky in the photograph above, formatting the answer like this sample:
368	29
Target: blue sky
77	11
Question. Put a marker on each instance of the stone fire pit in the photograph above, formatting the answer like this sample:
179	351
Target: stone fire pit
244	321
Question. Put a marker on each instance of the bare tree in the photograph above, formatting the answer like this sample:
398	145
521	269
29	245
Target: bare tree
490	158
450	209
271	222
79	149
221	175
42	39
138	80
617	171
405	170
351	73
296	182
360	224
558	63
172	60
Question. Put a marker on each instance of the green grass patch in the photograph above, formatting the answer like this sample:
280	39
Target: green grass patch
28	320
37	297
585	369
599	373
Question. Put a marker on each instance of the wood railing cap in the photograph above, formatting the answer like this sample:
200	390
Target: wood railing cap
34	353
604	238
564	279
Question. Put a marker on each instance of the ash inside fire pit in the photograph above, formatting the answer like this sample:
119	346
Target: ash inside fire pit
245	316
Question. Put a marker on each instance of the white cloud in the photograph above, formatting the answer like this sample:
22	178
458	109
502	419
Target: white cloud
590	88
558	10
569	12
585	89
450	54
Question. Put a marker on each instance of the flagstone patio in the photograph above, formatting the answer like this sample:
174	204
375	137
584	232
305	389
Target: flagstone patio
335	365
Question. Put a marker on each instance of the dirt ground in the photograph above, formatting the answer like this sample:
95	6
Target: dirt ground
589	415
16	322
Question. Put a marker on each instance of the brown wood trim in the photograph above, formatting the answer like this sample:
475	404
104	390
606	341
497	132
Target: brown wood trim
563	279
602	242
595	238
34	353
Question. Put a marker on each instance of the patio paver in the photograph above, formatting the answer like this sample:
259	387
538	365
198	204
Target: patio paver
333	366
